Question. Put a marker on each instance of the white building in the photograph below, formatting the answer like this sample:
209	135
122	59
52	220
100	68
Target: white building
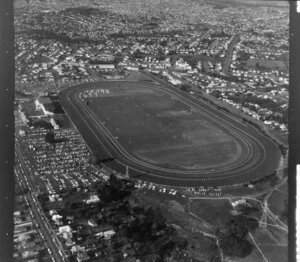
106	234
55	126
63	229
41	103
93	199
106	66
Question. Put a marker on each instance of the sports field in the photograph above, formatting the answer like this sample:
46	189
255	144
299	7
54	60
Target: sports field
165	136
158	128
216	212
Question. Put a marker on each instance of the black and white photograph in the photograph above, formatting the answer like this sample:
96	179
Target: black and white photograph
150	131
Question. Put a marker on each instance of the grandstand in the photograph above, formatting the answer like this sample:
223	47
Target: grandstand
44	104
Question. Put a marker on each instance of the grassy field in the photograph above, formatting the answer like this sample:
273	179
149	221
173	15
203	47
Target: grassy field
202	247
275	253
265	237
273	242
268	64
278	202
214	211
137	76
254	256
160	129
175	212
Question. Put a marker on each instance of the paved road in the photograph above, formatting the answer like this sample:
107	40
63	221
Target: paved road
269	212
227	62
45	228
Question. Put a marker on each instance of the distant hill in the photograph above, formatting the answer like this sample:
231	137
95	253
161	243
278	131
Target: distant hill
271	3
61	4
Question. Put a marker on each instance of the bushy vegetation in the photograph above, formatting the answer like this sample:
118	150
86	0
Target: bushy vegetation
83	10
233	238
143	232
245	99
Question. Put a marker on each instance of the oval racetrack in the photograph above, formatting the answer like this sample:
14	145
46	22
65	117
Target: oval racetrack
165	136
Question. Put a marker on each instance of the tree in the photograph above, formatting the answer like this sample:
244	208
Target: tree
233	246
192	61
185	87
244	56
166	249
138	54
215	258
172	52
49	138
216	93
118	58
234	241
42	124
115	182
241	225
160	55
163	43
